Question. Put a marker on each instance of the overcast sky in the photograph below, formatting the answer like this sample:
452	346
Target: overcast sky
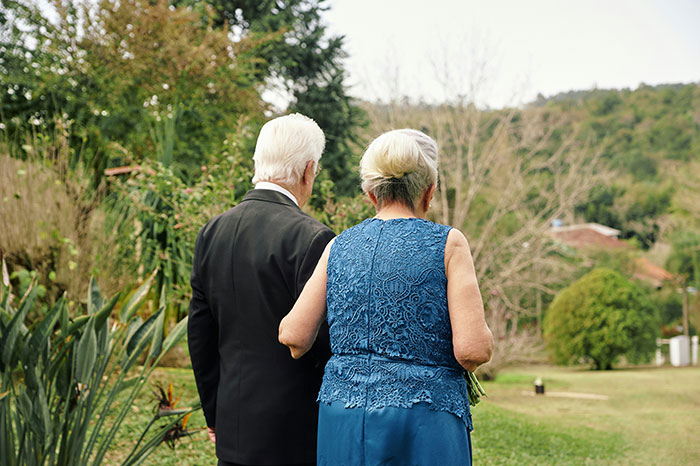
506	51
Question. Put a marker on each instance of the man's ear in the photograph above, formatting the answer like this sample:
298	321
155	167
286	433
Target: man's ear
308	172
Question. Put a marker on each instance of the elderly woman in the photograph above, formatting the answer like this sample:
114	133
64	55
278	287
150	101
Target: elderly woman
406	320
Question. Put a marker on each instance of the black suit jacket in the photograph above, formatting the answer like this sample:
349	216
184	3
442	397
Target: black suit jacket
250	265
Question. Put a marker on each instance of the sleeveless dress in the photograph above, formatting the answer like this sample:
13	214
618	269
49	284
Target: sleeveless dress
393	392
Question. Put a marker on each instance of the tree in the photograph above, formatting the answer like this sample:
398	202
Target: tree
685	256
600	317
303	63
134	80
504	177
685	262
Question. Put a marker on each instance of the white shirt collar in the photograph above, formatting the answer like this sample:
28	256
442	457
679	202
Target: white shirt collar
275	187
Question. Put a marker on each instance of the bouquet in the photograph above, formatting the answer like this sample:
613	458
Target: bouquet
474	387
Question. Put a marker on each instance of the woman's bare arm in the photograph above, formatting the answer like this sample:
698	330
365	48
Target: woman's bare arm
471	337
299	328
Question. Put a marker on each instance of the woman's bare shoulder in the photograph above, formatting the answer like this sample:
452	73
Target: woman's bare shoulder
455	242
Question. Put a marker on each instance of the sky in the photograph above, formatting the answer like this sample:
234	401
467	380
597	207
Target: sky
505	52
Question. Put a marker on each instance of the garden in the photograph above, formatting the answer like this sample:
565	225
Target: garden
126	125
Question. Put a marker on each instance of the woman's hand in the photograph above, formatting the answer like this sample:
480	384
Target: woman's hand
299	328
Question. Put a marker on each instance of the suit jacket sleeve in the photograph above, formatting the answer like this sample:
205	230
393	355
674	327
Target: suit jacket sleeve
203	340
320	352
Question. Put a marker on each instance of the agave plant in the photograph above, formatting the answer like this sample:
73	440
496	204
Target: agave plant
61	376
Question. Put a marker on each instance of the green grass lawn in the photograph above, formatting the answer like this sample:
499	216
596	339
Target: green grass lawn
652	416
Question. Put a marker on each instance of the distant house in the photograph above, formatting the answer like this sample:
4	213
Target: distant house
586	235
595	235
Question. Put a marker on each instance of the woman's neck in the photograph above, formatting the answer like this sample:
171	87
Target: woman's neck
396	210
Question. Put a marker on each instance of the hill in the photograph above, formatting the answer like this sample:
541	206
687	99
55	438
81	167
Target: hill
651	139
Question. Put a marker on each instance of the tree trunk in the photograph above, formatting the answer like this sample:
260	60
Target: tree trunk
685	307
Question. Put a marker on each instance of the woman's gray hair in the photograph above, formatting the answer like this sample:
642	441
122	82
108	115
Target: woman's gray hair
399	166
284	147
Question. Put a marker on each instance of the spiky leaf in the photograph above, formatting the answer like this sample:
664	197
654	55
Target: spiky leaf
86	353
132	305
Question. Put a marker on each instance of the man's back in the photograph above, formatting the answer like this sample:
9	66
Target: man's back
250	265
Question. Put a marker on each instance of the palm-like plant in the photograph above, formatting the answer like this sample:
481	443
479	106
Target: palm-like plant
61	376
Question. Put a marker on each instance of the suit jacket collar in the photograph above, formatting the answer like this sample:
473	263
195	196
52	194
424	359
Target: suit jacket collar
267	195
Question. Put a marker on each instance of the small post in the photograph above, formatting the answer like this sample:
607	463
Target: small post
694	350
539	386
659	356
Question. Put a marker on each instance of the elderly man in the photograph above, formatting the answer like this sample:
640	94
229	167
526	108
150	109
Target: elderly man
250	265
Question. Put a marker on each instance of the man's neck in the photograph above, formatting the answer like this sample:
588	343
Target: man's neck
287	190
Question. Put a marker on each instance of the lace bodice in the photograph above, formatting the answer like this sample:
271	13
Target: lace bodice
389	324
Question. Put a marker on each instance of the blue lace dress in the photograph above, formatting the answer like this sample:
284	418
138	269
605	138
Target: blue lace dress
392	393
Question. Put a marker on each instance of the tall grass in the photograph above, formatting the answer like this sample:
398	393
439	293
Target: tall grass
37	220
52	218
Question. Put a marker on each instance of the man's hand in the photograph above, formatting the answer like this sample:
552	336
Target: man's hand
212	434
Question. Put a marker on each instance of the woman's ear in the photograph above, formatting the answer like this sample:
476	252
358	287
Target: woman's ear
373	199
428	196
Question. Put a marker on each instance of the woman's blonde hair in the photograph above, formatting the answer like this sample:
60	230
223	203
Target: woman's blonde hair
399	166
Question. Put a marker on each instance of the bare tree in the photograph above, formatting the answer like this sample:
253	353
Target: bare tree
504	177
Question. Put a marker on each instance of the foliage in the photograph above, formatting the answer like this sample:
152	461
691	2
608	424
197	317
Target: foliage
196	449
303	63
635	210
326	101
157	216
647	135
685	262
600	317
61	376
137	80
338	213
685	256
49	226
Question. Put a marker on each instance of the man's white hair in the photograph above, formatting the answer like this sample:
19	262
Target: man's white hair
284	147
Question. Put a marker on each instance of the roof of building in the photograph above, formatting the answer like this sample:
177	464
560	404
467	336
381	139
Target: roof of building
597	227
584	236
646	270
593	235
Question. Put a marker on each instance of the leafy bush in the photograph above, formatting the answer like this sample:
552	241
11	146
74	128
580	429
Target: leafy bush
685	256
338	213
61	376
139	80
44	226
600	317
156	217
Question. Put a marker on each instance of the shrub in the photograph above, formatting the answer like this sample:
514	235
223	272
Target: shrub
139	80
38	223
60	377
53	224
600	317
156	217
